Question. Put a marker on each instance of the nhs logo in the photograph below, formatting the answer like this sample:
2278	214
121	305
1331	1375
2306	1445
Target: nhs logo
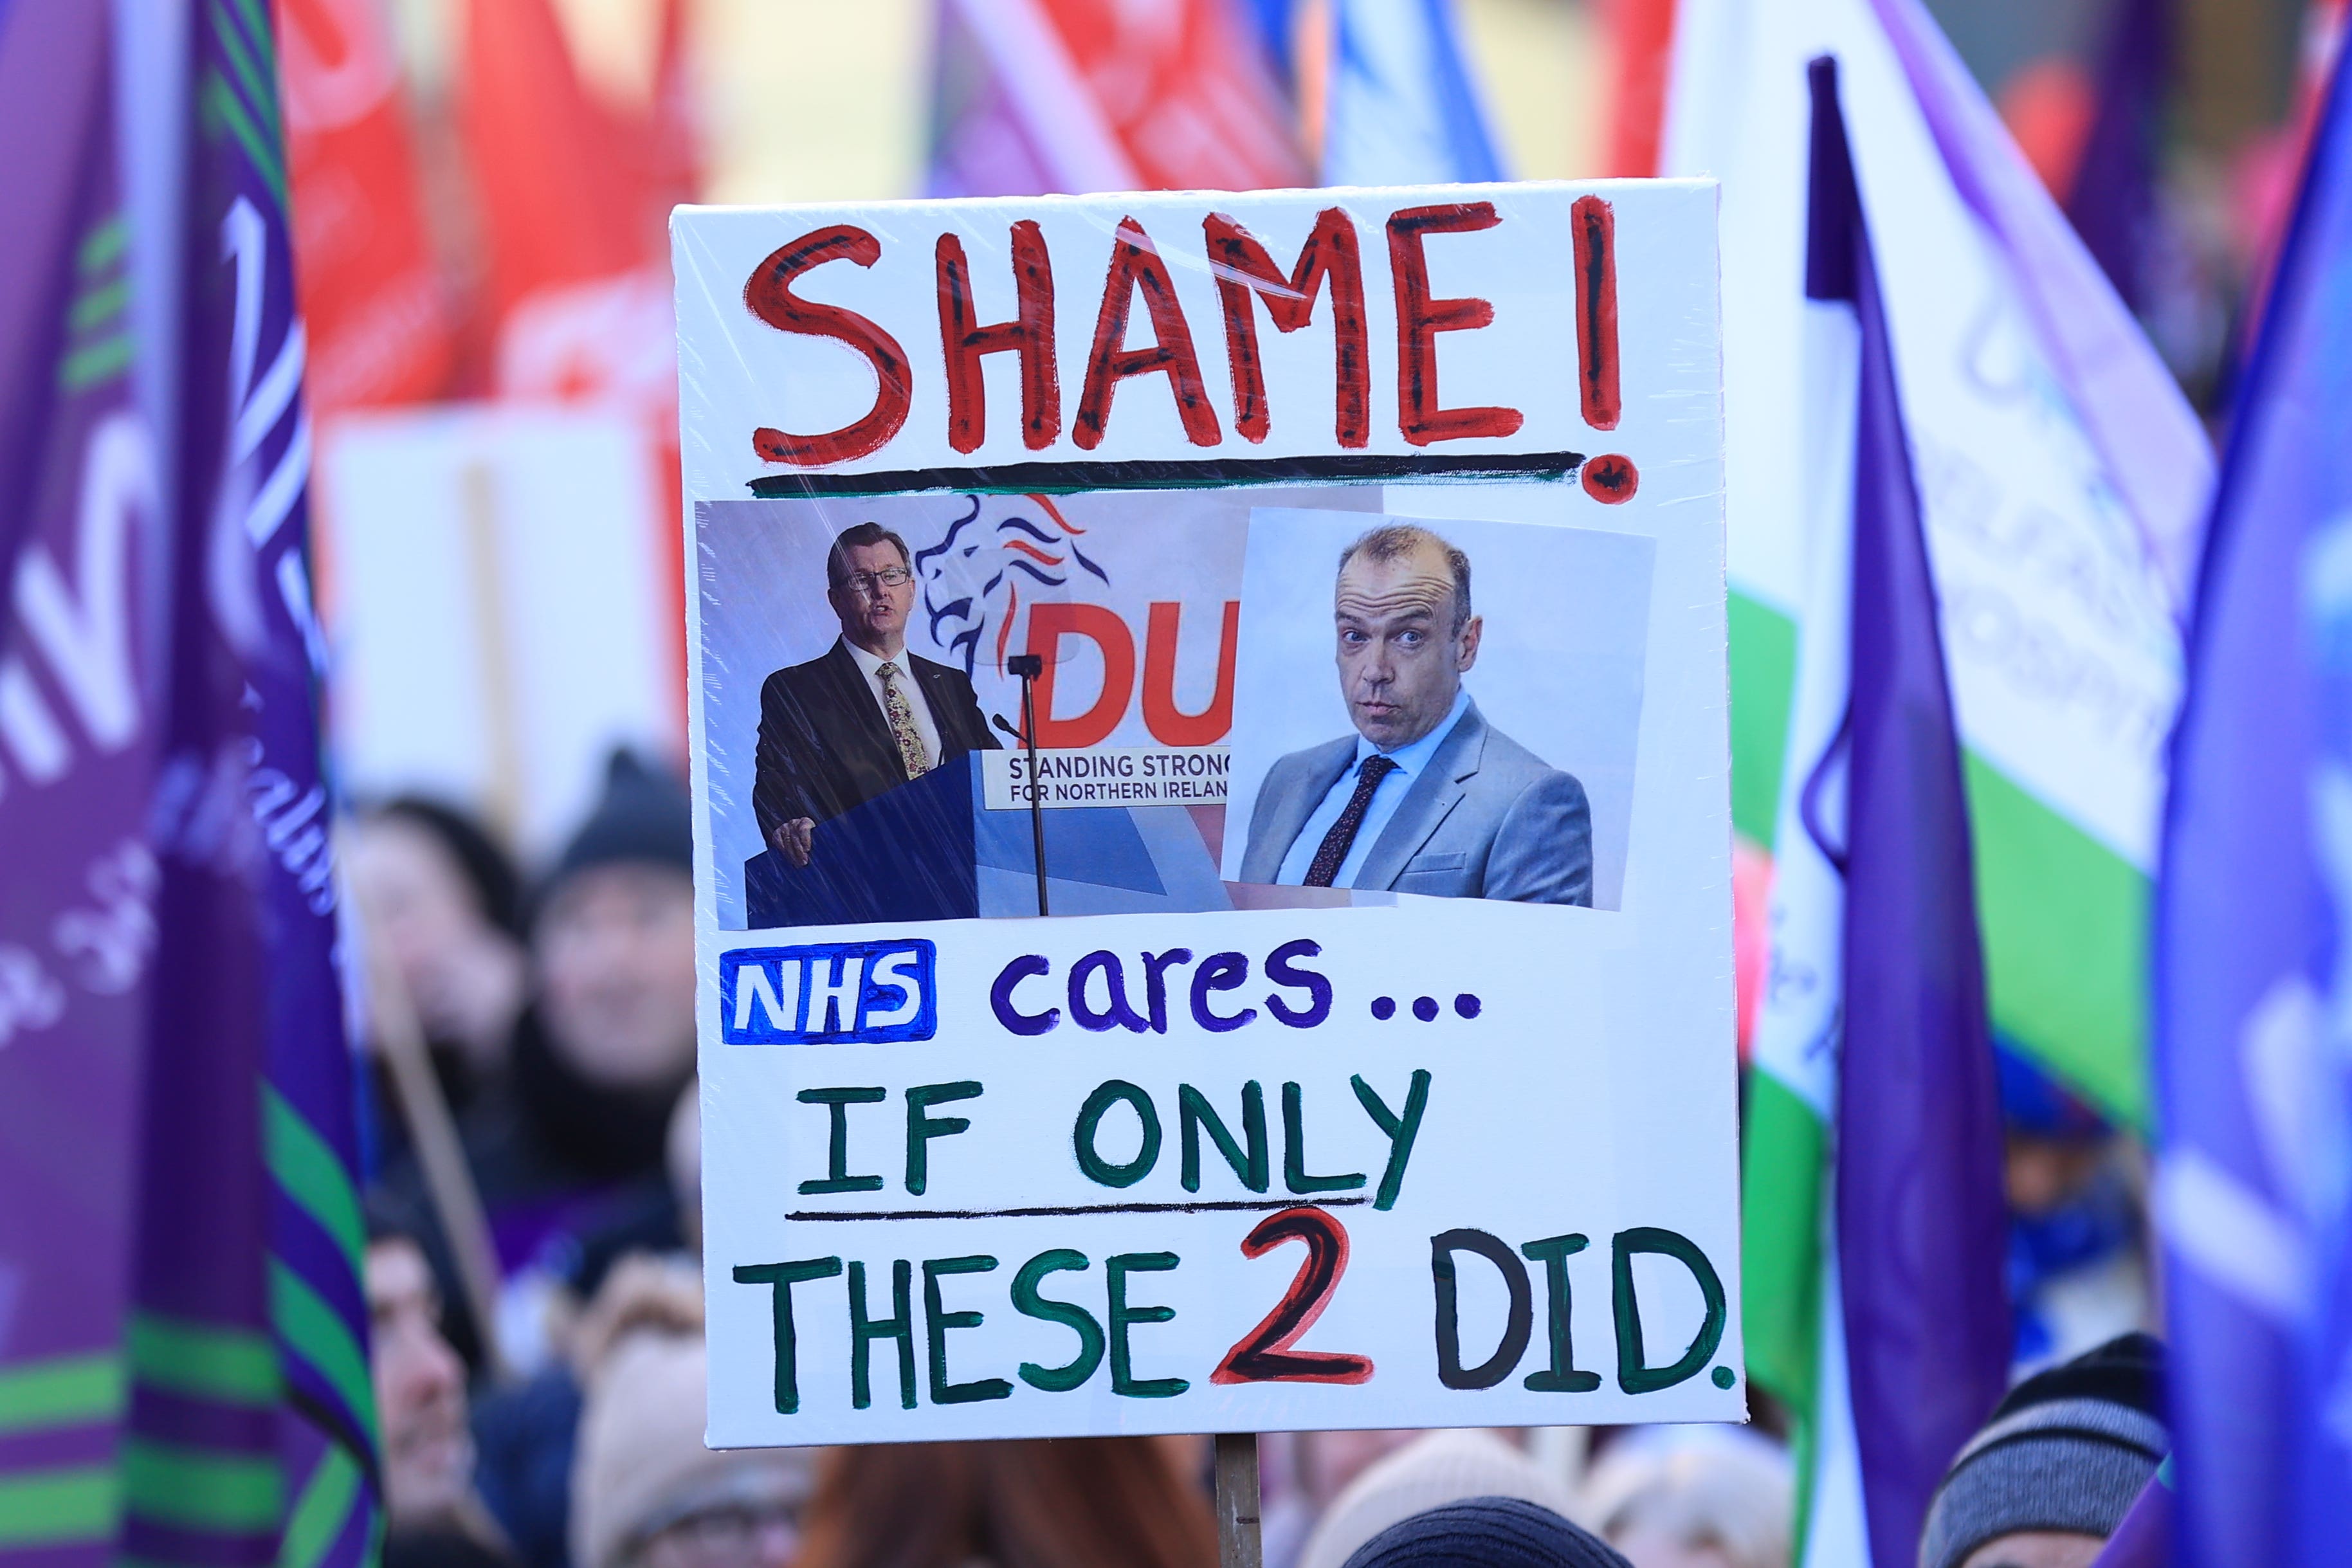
850	993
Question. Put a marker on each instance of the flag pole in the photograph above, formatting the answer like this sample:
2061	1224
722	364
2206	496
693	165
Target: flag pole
441	1158
1239	1543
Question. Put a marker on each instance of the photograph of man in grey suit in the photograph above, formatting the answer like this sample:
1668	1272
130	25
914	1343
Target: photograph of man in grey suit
1425	796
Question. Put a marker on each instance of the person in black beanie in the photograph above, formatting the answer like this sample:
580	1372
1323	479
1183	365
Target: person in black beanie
568	1143
2052	1473
1486	1532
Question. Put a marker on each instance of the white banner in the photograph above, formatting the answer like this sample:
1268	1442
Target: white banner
1354	561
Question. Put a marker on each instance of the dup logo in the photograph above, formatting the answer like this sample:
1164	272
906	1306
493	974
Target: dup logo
851	993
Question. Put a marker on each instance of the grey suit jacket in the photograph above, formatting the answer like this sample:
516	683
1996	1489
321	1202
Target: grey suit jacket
1486	819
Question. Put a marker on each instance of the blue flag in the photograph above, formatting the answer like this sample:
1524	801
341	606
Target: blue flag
1402	109
1398	104
2253	976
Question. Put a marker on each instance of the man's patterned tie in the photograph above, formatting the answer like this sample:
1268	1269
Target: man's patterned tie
1336	843
902	724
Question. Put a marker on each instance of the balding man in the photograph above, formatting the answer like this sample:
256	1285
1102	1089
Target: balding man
1425	796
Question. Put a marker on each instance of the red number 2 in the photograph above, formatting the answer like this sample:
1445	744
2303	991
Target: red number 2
1264	1355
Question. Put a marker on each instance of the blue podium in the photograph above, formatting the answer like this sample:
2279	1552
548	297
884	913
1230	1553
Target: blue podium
904	856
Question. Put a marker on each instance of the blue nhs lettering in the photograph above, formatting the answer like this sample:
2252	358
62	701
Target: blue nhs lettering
850	993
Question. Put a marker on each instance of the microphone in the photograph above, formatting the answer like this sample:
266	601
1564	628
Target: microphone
1004	724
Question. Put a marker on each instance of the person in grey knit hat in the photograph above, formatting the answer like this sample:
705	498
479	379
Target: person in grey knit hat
2052	1474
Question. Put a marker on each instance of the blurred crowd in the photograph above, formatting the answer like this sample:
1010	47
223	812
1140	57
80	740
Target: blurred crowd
539	1359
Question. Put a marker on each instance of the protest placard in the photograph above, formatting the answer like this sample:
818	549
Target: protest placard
1333	582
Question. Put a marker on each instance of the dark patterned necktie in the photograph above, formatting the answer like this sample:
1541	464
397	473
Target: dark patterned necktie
1342	836
901	714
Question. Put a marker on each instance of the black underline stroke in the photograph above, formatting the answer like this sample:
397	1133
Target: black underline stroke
1063	478
1248	1208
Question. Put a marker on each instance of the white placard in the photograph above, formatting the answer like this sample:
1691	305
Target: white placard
495	595
1451	1140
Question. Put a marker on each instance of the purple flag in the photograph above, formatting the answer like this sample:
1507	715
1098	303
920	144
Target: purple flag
1921	1235
2112	203
79	503
249	1224
2253	911
2144	1538
182	1337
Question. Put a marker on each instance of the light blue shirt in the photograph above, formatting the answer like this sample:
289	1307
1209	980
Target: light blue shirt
1410	760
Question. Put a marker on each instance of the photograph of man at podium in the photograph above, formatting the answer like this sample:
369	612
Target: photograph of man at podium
866	718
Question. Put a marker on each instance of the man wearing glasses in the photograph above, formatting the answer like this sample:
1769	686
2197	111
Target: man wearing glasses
865	717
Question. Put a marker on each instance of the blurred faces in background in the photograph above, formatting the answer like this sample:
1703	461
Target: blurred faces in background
1430	1470
441	904
1670	1497
614	937
2078	1275
566	1142
646	1493
1072	1502
420	1390
616	950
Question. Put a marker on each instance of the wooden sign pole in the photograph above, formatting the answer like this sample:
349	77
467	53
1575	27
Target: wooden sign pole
1239	1544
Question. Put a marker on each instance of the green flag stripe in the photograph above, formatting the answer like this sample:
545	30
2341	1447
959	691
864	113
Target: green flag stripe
253	87
302	1162
57	1508
320	1513
2065	918
257	24
200	1490
1763	684
68	1390
223	104
318	1334
1784	1171
204	1362
104	244
99	305
2065	923
94	363
1780	1243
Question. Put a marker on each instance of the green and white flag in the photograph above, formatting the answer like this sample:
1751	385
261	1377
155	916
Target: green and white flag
2060	539
1795	1347
2060	471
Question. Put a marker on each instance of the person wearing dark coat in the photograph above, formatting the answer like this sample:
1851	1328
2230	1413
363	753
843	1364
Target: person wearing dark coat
567	1141
863	717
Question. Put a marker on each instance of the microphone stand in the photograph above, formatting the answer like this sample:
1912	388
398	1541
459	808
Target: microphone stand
1028	667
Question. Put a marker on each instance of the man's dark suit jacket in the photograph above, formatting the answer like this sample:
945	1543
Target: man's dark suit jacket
824	747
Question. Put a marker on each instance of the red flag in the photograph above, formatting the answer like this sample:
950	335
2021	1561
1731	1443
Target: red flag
1074	95
577	293
573	194
1641	41
379	323
1185	90
672	144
